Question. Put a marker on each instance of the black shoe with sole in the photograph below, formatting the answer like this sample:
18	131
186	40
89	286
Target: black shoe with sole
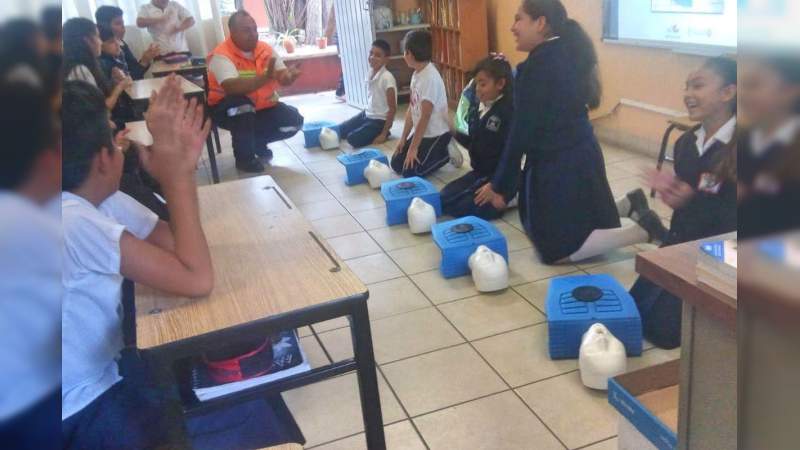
252	166
651	223
265	154
638	202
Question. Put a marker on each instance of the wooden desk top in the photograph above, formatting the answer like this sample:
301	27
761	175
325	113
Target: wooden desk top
141	89
265	263
767	286
674	268
160	67
139	132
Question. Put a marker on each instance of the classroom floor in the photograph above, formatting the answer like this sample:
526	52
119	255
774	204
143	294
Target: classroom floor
457	370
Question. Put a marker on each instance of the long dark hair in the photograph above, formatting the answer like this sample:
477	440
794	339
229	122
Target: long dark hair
77	51
725	68
576	39
497	69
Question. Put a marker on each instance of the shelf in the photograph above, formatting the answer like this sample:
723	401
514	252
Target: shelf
403	28
443	28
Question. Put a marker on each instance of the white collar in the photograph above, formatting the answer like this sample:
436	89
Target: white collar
378	74
724	135
553	38
785	134
484	107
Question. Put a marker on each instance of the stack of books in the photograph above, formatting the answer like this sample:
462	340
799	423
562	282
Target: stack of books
716	266
288	359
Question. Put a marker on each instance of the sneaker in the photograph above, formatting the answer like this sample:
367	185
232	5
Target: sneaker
638	201
265	154
456	157
651	223
252	166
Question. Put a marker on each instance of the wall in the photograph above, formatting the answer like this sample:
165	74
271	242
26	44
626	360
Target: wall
648	75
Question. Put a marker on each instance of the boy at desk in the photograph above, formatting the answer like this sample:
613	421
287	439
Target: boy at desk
108	236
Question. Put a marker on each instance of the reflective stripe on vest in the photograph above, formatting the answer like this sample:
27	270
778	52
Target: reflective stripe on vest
267	95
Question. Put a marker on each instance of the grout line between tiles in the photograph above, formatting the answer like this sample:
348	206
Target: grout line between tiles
595	443
405	411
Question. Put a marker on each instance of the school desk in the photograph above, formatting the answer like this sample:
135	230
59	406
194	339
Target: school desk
768	333
707	413
272	272
140	92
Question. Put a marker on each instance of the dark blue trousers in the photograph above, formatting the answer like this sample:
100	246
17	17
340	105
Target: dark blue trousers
361	131
252	131
458	198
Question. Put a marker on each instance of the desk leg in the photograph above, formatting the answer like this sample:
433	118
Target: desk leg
367	377
212	158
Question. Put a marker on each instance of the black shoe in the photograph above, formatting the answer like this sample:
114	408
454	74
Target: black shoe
651	223
638	202
265	154
252	166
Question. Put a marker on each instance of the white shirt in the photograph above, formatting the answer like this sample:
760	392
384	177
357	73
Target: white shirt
30	303
382	81
81	73
785	134
724	135
224	69
91	327
163	33
427	85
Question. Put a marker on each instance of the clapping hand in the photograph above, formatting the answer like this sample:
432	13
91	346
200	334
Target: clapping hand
672	190
179	132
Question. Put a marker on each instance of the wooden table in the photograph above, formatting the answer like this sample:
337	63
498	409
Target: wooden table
140	92
768	332
272	273
709	372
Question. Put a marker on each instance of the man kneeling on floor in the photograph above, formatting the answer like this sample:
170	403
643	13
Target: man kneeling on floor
244	76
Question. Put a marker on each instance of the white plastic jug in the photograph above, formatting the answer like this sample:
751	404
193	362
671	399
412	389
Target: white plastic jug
377	173
489	270
328	139
602	356
421	216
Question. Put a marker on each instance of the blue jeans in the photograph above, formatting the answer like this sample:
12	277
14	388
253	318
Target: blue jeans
361	131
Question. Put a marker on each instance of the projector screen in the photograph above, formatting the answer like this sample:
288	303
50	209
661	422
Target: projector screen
694	26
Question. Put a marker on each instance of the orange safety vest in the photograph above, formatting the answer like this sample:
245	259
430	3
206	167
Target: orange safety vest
267	95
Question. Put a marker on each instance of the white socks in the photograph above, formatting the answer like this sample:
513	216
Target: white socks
603	241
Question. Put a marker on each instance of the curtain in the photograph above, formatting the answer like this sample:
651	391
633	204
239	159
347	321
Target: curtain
202	37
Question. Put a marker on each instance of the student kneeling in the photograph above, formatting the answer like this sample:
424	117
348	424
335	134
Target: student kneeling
244	76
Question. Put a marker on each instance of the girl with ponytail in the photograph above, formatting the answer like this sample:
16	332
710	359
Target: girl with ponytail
565	202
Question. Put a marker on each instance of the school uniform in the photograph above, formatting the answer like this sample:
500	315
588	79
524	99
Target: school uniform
489	124
162	33
30	320
710	212
362	129
427	85
109	399
134	68
771	203
563	192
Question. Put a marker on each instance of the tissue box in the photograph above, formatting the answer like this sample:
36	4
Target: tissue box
647	401
311	131
398	195
355	163
458	239
575	303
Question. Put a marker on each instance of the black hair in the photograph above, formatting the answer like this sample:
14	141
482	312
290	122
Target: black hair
420	44
18	42
78	53
383	45
28	127
497	69
235	16
725	68
51	22
105	14
85	131
578	42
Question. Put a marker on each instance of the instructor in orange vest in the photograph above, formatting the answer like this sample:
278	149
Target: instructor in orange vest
244	76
